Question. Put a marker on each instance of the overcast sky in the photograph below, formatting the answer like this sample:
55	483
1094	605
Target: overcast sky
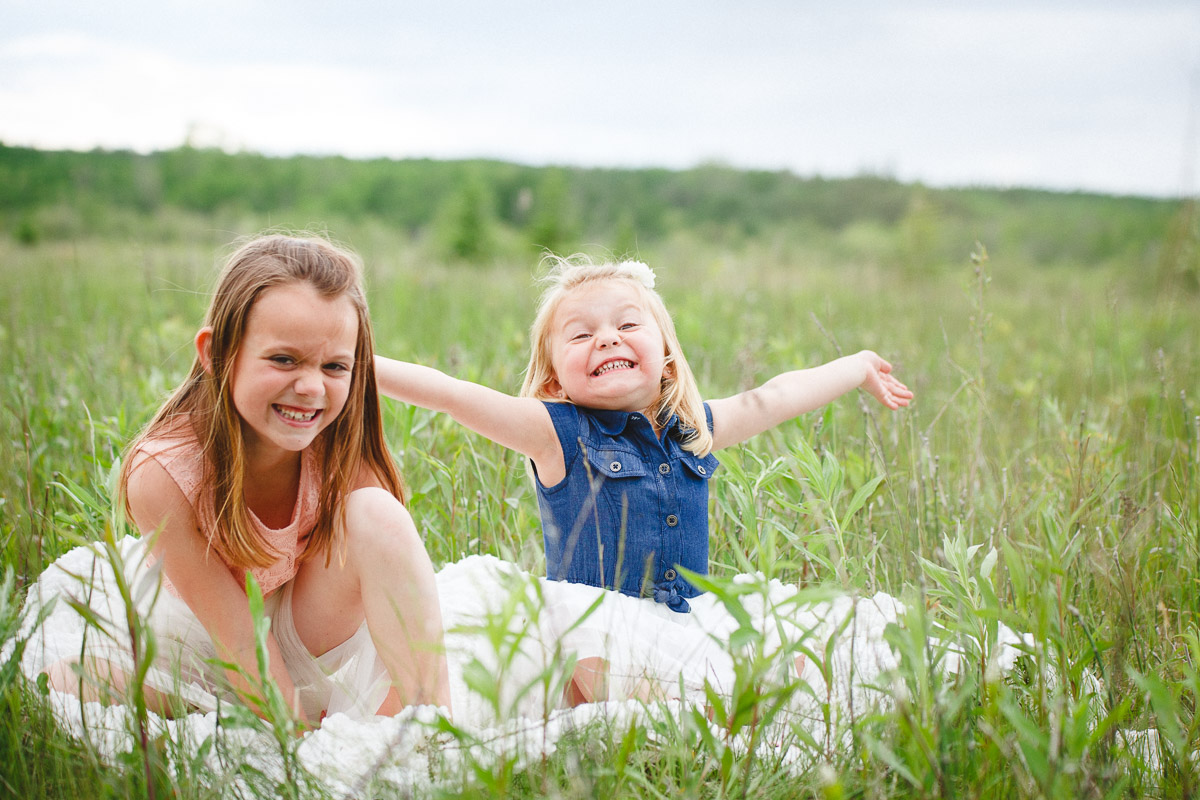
1098	96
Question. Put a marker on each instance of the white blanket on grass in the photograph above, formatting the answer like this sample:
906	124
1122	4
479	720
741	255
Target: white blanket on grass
510	640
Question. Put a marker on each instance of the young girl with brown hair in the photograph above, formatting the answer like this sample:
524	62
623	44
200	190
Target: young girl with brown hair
269	461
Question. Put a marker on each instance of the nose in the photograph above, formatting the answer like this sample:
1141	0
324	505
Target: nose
309	383
607	339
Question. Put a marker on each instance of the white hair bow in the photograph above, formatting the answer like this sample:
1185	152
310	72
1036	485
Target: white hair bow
639	272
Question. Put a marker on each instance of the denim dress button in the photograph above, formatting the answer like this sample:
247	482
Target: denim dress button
664	468
615	466
669	574
700	468
672	520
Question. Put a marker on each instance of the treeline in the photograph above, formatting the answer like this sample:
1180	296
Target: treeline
479	209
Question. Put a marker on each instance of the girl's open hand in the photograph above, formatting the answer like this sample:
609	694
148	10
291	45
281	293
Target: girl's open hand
880	382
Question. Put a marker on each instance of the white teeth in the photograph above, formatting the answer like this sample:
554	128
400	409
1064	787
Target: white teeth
296	416
611	365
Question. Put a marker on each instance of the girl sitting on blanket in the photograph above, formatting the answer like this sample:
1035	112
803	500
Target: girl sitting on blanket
268	460
619	439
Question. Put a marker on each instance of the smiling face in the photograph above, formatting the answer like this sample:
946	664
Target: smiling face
292	373
607	349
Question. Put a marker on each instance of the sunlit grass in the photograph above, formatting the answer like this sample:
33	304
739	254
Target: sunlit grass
1056	422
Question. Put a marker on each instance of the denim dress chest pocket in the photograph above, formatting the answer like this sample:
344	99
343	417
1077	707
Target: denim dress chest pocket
615	462
702	468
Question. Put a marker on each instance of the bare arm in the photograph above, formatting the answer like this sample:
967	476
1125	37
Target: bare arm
518	423
737	418
200	577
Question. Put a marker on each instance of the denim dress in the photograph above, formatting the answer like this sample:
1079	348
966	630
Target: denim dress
632	509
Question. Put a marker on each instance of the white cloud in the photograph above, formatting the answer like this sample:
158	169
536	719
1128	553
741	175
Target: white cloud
1071	96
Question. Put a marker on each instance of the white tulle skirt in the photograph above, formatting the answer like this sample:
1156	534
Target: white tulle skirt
511	639
89	620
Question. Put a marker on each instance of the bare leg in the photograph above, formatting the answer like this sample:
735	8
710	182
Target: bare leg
382	575
103	682
589	682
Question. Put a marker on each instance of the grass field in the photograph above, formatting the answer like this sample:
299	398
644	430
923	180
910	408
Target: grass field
1056	421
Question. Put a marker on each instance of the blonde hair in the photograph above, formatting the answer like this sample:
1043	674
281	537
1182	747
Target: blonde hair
204	400
679	394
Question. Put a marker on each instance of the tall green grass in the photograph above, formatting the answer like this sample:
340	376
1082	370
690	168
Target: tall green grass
1046	478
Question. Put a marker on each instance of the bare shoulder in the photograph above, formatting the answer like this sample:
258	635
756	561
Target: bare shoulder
540	425
153	496
548	457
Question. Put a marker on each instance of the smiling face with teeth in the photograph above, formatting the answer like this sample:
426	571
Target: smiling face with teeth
293	370
607	349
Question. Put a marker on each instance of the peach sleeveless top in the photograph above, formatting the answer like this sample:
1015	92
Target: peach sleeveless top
179	453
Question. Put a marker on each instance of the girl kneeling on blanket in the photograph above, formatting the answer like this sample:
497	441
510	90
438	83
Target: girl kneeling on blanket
269	460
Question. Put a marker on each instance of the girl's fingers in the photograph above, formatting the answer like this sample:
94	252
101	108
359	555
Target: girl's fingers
896	386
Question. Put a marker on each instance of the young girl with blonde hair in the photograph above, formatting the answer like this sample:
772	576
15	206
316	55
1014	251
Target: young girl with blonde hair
618	437
268	461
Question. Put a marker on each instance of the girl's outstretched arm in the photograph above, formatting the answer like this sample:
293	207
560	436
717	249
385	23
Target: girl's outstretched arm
737	418
518	423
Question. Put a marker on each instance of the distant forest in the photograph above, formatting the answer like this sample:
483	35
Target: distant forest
480	210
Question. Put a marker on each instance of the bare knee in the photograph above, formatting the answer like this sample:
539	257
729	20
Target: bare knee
378	522
97	680
589	682
64	676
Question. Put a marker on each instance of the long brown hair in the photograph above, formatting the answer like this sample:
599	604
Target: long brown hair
679	393
205	402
